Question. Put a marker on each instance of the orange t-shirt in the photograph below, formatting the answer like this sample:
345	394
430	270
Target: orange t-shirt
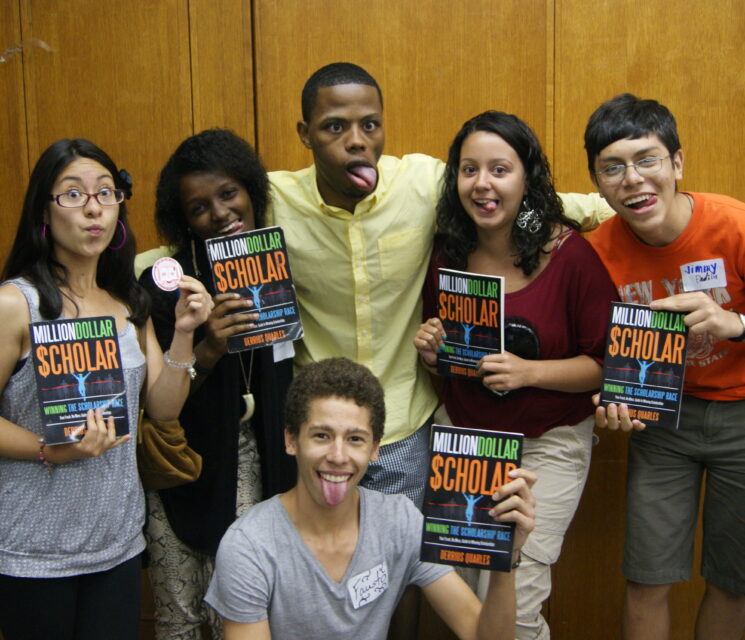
714	240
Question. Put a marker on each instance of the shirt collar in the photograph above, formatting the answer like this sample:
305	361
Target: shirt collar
363	206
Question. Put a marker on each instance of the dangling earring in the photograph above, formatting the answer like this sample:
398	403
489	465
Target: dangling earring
124	237
43	229
528	220
197	272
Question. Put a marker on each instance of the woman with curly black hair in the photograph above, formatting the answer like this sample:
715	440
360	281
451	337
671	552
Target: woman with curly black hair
499	215
213	185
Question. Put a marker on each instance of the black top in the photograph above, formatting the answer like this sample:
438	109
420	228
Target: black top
200	512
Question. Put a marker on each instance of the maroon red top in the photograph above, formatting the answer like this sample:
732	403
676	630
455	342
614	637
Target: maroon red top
567	306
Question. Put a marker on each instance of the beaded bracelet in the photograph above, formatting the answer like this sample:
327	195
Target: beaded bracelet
189	366
43	456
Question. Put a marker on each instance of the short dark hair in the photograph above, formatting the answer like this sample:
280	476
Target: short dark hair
211	151
627	116
329	76
456	227
32	253
335	377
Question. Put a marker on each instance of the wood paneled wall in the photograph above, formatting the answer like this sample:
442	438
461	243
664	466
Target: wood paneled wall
688	55
437	62
137	76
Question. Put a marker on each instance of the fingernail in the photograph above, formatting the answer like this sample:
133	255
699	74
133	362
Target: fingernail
513	473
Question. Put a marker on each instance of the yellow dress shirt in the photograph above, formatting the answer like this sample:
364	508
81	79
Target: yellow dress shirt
359	276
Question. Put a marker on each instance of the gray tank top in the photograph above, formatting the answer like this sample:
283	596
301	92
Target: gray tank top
86	516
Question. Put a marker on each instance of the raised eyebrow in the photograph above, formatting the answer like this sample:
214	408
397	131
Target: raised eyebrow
103	176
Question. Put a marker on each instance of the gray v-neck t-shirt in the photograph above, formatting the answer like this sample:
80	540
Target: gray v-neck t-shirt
265	570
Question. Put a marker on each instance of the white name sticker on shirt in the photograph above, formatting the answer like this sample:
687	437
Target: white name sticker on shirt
368	586
704	274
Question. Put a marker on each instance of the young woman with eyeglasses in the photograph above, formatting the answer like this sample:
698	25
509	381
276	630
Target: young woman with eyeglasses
71	515
499	215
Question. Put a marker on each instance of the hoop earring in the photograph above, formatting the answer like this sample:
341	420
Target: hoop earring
43	229
528	220
124	237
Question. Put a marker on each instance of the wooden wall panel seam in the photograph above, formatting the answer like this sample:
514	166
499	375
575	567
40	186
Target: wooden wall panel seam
32	141
193	82
254	76
548	142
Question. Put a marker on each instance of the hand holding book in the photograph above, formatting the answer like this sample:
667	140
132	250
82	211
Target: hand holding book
99	436
231	315
515	503
615	417
506	372
703	314
429	339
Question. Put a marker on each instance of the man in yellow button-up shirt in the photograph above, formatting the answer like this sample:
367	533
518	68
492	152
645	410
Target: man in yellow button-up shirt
359	228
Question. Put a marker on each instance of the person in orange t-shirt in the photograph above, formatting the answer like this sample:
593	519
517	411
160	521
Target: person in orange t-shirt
677	251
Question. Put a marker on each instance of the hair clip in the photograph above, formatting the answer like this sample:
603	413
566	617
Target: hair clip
127	180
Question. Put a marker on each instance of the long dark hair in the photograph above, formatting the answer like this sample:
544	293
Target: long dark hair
211	151
458	230
32	253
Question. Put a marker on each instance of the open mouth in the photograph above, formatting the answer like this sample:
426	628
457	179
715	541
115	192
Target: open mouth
487	206
640	202
363	176
335	486
236	226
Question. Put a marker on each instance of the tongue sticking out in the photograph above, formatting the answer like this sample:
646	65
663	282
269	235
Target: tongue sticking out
489	206
334	492
643	203
365	177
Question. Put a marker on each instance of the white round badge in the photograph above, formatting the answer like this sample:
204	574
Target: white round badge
166	273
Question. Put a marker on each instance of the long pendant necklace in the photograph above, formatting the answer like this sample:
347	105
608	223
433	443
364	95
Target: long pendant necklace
248	397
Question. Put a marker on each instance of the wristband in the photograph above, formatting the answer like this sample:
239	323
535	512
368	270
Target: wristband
189	366
43	456
517	562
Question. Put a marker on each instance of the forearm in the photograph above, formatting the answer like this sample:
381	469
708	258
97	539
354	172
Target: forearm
167	394
572	375
17	442
589	210
497	619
